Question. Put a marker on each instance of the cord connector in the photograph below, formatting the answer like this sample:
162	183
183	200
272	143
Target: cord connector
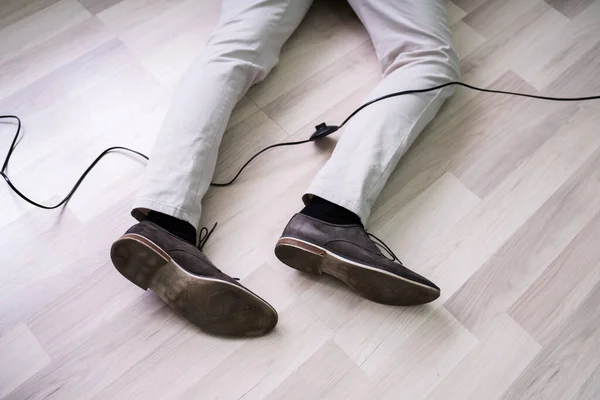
323	130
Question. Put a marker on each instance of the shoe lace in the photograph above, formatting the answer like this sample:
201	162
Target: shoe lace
204	235
385	247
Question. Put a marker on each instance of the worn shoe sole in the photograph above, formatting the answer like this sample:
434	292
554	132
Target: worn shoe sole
214	305
373	283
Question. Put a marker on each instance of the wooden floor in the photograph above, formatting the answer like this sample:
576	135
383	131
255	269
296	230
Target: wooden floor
498	202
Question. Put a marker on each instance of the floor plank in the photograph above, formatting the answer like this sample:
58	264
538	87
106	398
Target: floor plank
568	359
493	364
309	381
507	275
21	351
40	26
51	54
570	278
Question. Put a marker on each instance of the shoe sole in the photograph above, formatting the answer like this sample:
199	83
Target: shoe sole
372	283
215	306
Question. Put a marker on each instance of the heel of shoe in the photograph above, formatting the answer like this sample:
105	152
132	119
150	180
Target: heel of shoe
137	259
300	255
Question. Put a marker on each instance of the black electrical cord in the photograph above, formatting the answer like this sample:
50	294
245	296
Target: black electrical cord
321	130
256	155
81	178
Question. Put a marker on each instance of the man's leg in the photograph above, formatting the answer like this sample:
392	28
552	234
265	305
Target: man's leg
413	42
159	253
243	49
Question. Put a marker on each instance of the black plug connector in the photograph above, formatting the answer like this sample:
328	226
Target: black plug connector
323	130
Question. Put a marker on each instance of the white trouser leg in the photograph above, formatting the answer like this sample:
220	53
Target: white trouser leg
243	49
413	42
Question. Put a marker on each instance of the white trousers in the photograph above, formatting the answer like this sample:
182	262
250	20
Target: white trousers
413	43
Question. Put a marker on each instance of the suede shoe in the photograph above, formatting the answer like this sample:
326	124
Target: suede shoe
351	254
184	278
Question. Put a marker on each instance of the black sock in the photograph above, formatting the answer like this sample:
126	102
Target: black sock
177	227
329	212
